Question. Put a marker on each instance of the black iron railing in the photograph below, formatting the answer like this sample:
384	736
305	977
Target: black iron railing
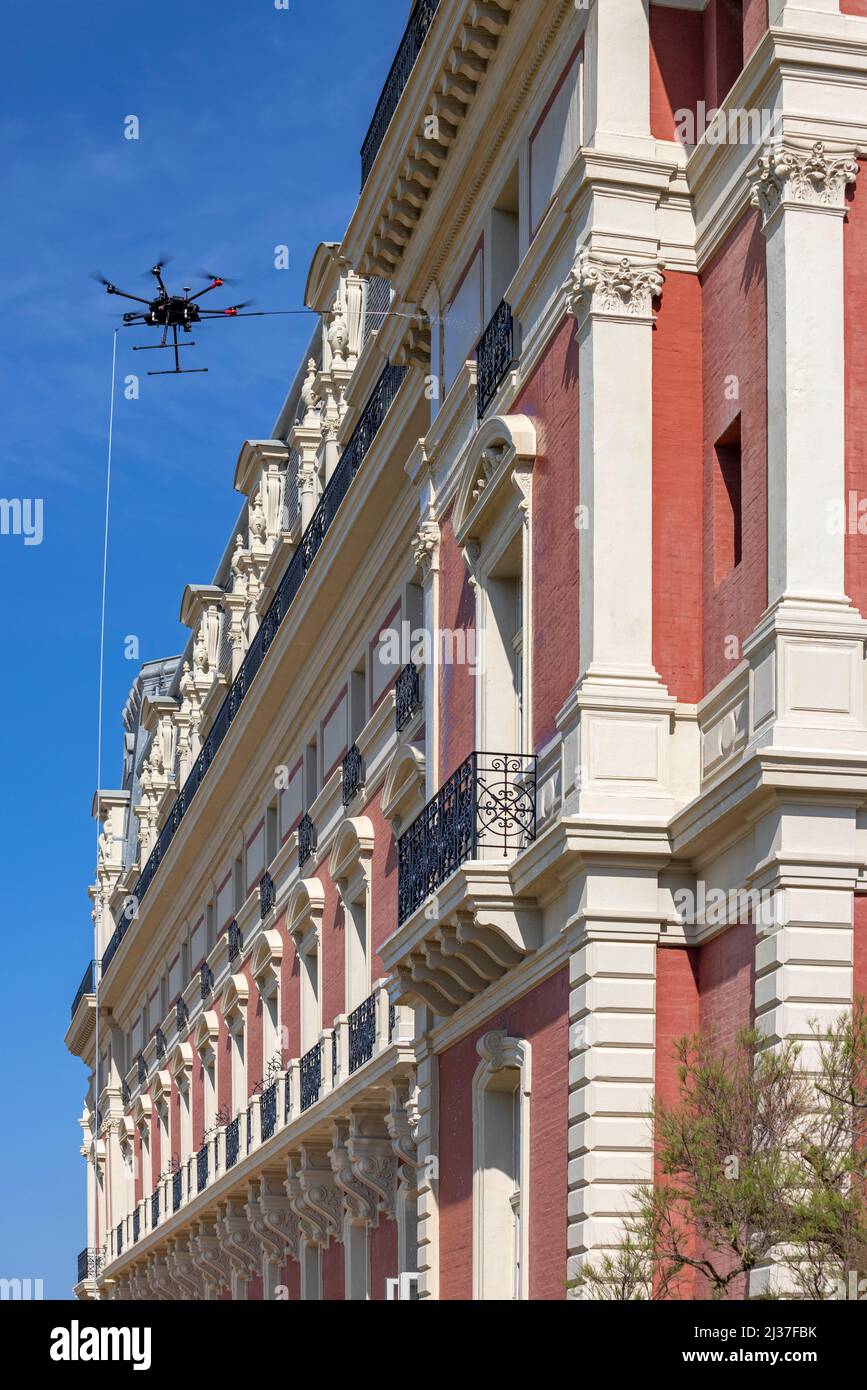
236	941
287	1098
489	802
310	1068
202	1168
392	1020
125	1093
362	1033
249	1128
371	419
182	1014
420	21
118	1239
306	839
160	1041
206	980
233	1142
266	895
268	1110
89	1264
142	1071
352	774
136	1225
377	305
155	1209
407	695
333	1055
177	1189
495	354
87	986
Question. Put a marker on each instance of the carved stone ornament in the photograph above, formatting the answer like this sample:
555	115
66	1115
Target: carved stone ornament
425	547
812	177
613	286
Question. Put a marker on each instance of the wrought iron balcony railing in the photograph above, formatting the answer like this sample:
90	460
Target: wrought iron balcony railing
233	1142
236	940
182	1014
353	455
206	980
287	1099
266	895
125	1093
495	354
352	774
89	1264
420	21
310	1068
155	1209
202	1168
142	1071
268	1110
160	1041
362	1033
249	1128
306	839
87	986
407	695
136	1225
118	1239
177	1189
488	803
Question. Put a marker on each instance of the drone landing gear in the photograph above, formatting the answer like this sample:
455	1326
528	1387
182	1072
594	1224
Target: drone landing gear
175	346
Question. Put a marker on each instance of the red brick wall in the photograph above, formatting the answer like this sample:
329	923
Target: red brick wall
333	1287
677	483
858	7
550	399
860	972
855	417
383	1257
677	1016
290	1277
756	23
726	982
723	48
540	1016
734	357
676	66
457	608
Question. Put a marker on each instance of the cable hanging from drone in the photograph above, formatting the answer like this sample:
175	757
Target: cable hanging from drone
174	312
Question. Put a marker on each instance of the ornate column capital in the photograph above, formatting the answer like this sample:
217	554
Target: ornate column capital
426	548
617	287
813	177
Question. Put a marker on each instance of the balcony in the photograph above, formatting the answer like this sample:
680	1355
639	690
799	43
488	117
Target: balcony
202	1168
89	1264
233	1142
155	1209
177	1190
182	1014
420	21
118	1239
353	455
306	840
87	986
266	895
362	1033
486	808
236	941
407	695
136	1225
268	1111
310	1068
352	774
495	356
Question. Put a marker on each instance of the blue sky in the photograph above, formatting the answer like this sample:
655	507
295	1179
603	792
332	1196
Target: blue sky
250	120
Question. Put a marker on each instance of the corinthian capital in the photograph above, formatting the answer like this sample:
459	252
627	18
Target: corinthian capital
613	286
814	177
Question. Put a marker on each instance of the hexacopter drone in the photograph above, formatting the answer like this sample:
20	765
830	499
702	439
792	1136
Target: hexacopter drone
172	311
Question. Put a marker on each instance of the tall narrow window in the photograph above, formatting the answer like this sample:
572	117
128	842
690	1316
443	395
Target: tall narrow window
501	1094
357	955
727	516
502	669
310	1017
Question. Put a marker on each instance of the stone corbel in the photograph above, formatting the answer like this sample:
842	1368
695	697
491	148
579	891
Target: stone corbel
237	1240
272	1220
162	1279
202	611
426	549
314	1195
372	1156
183	1270
402	1131
207	1256
360	1201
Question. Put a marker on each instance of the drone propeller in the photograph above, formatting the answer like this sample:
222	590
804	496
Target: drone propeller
100	279
214	279
230	311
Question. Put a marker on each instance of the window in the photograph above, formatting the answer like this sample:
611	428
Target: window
727	518
504	652
357	702
462	321
271	834
501	1112
303	922
555	141
503	244
311	774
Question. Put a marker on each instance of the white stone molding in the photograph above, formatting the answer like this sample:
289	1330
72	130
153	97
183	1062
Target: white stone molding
233	1003
184	1273
360	1202
372	1156
275	1210
403	791
304	909
181	1065
617	287
498	1052
272	1236
426	549
266	961
207	1256
502	452
351	854
207	1033
238	1243
788	173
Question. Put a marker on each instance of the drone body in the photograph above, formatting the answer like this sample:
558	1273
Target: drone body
172	312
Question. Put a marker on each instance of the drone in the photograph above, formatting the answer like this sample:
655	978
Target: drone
172	312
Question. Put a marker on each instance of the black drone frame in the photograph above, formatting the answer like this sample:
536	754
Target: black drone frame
173	312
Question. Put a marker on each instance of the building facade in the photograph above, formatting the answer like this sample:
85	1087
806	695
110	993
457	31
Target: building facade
522	728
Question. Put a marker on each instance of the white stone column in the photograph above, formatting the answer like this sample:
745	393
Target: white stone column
426	552
617	74
806	654
612	1029
425	1127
